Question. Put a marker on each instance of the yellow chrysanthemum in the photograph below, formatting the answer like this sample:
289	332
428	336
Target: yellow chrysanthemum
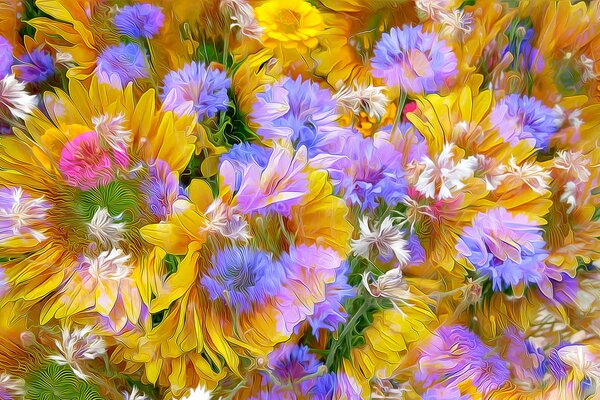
294	24
80	250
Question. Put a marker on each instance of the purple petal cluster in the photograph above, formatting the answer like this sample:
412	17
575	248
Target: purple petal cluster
265	180
523	118
243	277
291	365
455	355
161	188
197	90
414	60
6	57
371	173
139	20
300	111
121	64
35	66
507	248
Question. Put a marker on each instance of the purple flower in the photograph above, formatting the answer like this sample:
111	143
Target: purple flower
300	111
523	118
161	188
416	61
526	56
6	57
291	363
507	248
456	355
139	20
329	313
243	277
196	89
36	66
441	392
407	140
121	64
265	180
371	173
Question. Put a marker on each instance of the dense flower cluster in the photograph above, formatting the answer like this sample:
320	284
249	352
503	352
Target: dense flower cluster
299	199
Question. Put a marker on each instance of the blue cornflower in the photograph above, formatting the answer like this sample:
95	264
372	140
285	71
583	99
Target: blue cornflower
298	110
243	277
139	20
414	60
329	313
35	66
523	118
507	248
6	57
371	173
196	89
121	64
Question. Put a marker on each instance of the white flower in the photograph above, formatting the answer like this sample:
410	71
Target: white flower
582	361
135	395
109	265
104	230
587	65
491	173
21	214
15	99
111	131
456	23
442	177
390	285
370	99
65	59
226	221
200	393
242	15
569	196
574	163
432	8
10	386
387	240
76	346
529	173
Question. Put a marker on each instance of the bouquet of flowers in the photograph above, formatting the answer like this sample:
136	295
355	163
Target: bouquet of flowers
300	199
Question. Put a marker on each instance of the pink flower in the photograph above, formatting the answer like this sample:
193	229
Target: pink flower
85	164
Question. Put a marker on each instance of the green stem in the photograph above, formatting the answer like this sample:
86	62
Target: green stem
401	102
347	328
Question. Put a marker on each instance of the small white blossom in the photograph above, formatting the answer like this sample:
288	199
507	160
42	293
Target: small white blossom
390	285
226	221
135	395
21	214
529	173
569	196
10	386
104	230
587	65
456	23
387	240
442	177
15	99
111	130
432	8
76	346
582	361
200	393
574	163
109	265
370	99
242	15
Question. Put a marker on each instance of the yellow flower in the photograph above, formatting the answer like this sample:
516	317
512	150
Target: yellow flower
71	245
293	24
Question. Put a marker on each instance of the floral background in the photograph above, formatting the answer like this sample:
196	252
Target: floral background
299	199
